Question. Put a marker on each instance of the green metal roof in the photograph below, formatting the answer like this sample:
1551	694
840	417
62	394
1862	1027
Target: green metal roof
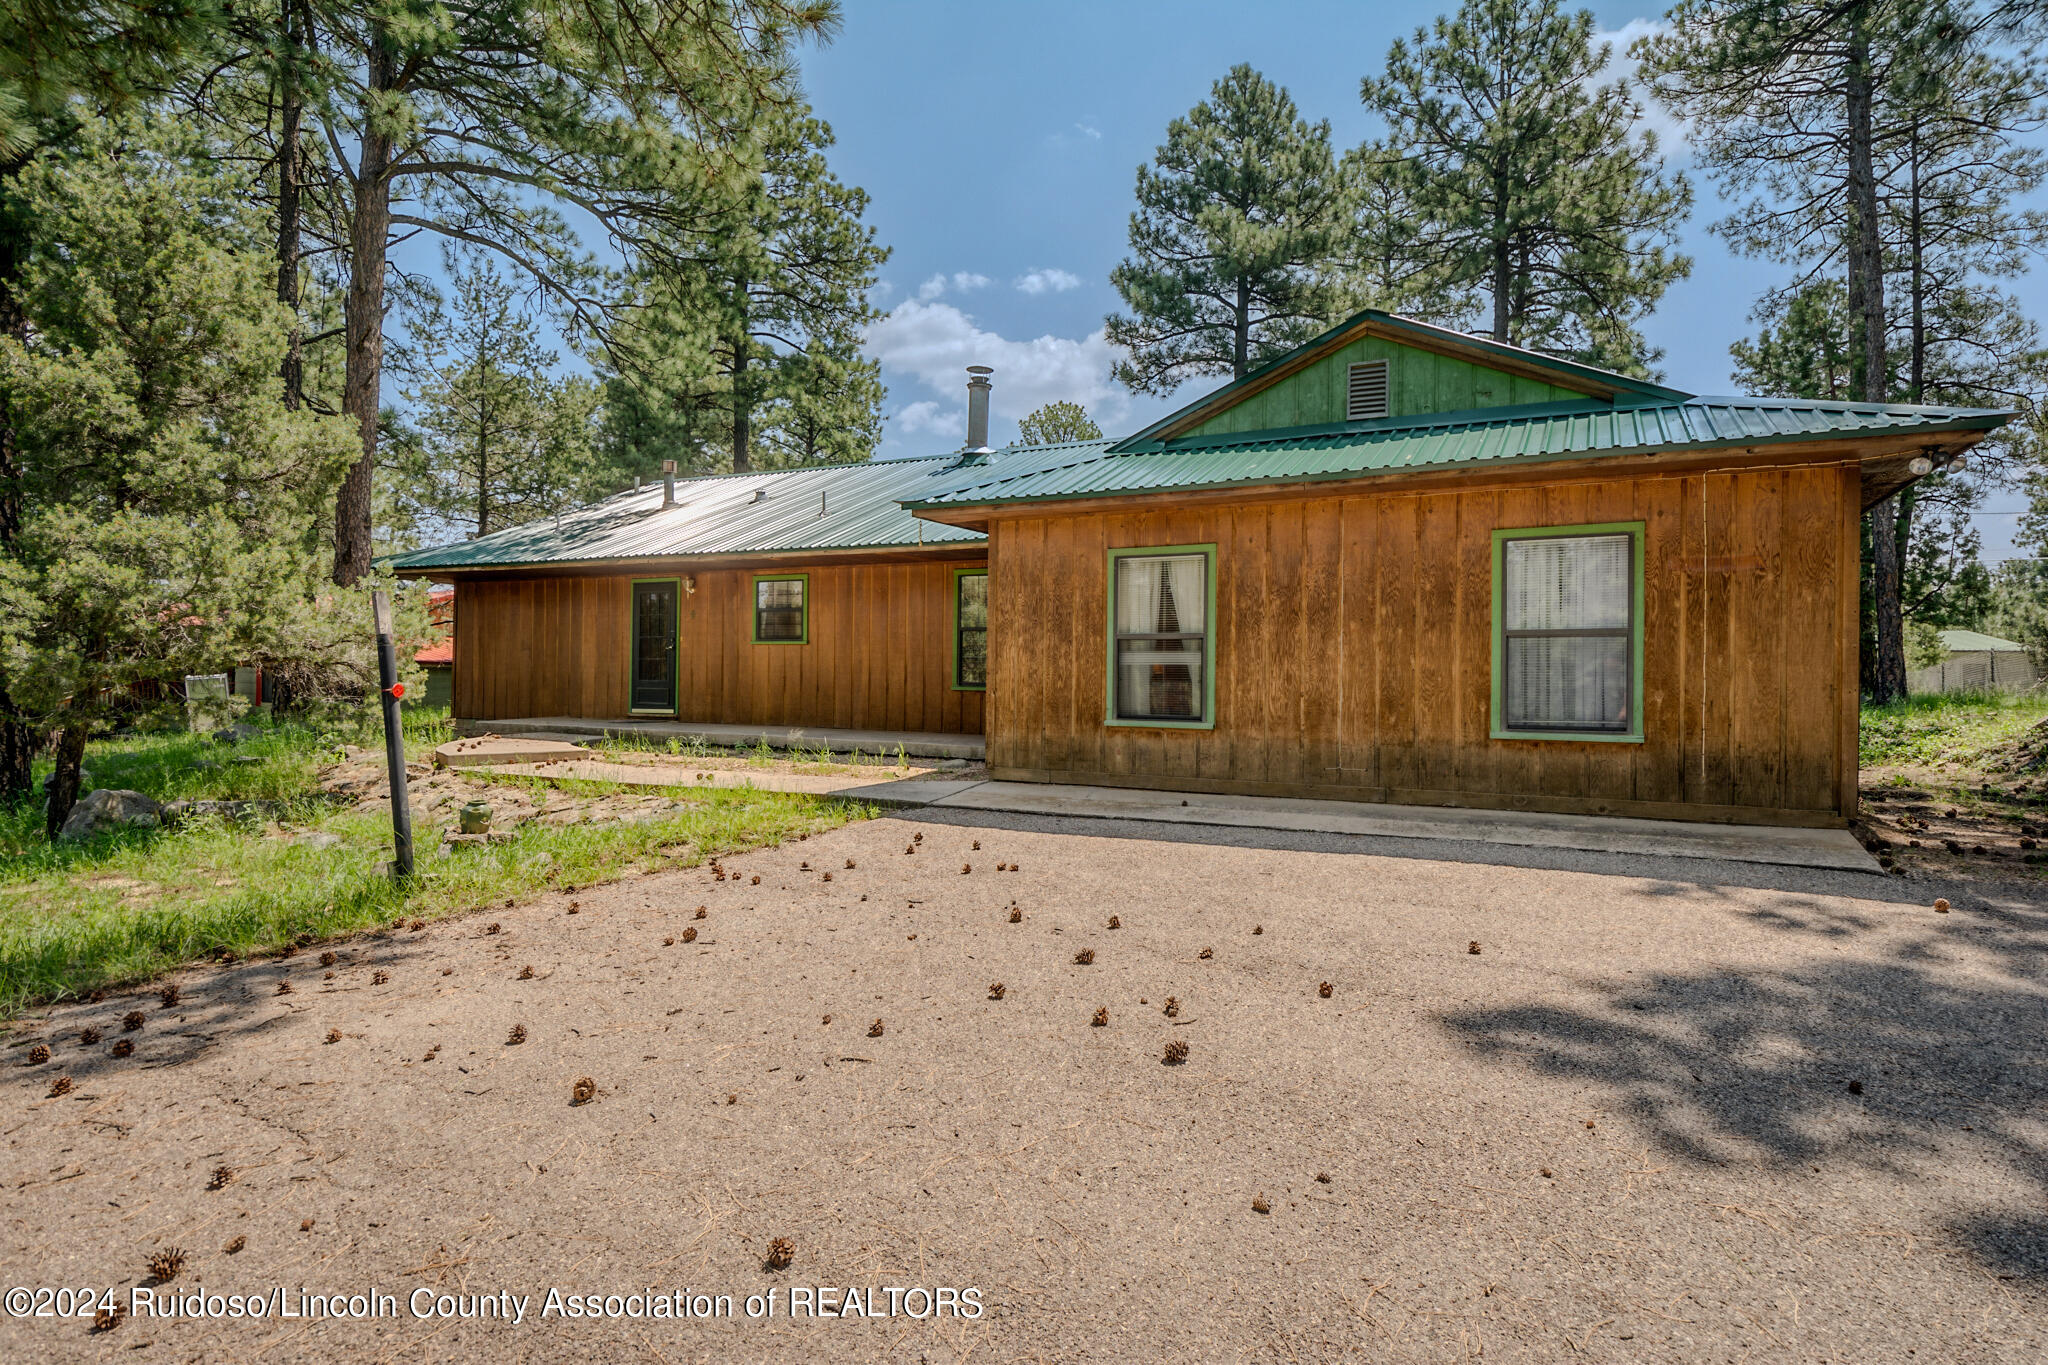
822	507
1968	641
1485	437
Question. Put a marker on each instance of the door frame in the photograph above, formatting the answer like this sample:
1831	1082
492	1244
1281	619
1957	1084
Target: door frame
675	672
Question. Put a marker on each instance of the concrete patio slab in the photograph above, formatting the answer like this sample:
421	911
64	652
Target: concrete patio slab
482	751
1835	849
861	785
917	744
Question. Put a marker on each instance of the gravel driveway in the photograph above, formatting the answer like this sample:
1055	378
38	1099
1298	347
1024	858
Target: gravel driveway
1663	1112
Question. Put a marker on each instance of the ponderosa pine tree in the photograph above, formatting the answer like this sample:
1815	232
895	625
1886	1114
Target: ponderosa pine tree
58	62
1057	423
488	121
495	438
745	345
1861	140
167	491
1533	185
1238	241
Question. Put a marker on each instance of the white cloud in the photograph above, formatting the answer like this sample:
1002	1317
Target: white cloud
1089	131
1049	281
962	282
1671	134
925	415
935	342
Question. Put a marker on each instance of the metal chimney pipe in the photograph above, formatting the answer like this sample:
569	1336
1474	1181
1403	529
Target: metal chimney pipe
668	483
977	406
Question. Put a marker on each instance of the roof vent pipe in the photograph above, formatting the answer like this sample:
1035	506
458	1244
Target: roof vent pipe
977	407
668	483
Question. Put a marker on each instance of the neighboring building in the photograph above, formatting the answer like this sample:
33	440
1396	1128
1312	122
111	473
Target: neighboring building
1399	563
1975	663
438	658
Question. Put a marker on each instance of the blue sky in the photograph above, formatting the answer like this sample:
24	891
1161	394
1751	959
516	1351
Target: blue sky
999	144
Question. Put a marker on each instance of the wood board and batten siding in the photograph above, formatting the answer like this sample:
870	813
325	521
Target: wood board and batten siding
1353	648
878	655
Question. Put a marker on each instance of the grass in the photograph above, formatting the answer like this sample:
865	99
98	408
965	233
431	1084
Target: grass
76	917
1951	727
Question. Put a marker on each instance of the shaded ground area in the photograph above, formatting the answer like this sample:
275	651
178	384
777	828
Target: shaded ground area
1800	1118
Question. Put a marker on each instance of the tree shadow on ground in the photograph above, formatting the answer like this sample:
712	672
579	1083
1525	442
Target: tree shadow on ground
1911	1066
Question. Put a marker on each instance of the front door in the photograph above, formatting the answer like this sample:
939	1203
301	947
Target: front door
654	646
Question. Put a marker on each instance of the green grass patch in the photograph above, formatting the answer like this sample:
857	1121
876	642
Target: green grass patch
76	917
1950	727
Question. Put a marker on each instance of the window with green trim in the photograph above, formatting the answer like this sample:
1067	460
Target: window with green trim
970	629
780	609
1569	623
1160	613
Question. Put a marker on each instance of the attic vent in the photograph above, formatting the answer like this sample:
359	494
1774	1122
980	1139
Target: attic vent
1365	393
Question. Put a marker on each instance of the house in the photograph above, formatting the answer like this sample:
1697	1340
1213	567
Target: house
1399	563
1972	662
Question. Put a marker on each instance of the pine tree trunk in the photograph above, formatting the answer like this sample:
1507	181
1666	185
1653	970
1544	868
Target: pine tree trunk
362	385
64	782
291	103
1241	331
18	743
742	411
1866	310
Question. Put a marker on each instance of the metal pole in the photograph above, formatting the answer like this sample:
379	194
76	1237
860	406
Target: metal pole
394	735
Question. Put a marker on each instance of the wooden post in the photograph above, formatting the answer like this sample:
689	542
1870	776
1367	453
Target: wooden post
394	736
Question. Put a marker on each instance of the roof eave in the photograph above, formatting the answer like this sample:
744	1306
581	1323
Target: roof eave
1975	422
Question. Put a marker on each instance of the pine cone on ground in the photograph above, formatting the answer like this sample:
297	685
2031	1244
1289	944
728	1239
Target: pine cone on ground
1325	989
517	1036
122	1047
87	1037
1016	915
995	990
1085	957
38	1054
875	1029
583	1091
1176	1053
781	1252
1114	923
1101	1018
60	1086
222	1177
169	996
132	1020
689	935
165	1264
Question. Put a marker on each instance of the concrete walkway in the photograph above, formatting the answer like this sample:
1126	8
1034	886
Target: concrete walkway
917	744
1823	848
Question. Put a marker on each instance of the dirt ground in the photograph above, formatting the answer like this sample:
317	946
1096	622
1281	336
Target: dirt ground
1672	1111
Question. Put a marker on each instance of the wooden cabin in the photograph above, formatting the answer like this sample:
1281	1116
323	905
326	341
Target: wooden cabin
1400	563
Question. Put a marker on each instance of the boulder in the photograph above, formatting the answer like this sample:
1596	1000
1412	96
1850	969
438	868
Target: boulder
110	808
317	839
225	810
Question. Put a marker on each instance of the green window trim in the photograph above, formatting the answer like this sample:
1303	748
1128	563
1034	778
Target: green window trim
754	606
953	670
1634	734
1209	632
675	679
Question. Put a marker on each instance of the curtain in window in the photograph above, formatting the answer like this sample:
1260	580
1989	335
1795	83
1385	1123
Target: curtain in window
1565	614
779	609
1161	626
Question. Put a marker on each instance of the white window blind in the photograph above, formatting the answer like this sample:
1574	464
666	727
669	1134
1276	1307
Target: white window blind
1365	395
1567	607
1162	637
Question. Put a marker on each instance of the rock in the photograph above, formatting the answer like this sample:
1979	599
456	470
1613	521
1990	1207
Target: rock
245	759
224	810
317	839
500	836
238	733
450	839
110	808
954	764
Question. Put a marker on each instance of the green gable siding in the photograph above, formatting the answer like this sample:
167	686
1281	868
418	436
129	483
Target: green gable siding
1418	382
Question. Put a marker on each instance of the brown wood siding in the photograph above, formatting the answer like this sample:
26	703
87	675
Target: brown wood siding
879	655
1353	648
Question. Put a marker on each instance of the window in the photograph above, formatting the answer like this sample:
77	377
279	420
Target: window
1365	391
970	629
1567	651
780	614
1162	602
